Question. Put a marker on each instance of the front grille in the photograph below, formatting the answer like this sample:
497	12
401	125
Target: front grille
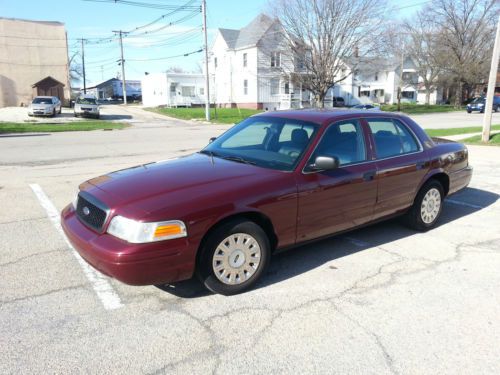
90	213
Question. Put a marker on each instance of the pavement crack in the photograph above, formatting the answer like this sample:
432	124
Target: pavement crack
53	291
18	260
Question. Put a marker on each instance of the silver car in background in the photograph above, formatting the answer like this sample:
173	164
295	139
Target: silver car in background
45	106
86	106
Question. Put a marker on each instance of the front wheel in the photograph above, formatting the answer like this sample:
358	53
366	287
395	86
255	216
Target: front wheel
469	111
234	257
427	206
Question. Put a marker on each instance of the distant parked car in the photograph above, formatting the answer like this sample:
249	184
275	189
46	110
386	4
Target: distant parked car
338	101
478	104
86	106
44	106
365	106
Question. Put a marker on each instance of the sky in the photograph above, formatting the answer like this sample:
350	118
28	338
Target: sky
154	48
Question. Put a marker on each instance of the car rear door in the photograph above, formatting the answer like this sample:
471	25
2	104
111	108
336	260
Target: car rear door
401	164
339	199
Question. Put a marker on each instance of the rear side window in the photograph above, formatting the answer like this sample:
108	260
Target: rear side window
343	140
392	138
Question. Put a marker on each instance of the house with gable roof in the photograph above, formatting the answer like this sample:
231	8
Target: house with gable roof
246	68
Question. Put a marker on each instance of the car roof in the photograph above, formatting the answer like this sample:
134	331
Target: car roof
44	97
321	116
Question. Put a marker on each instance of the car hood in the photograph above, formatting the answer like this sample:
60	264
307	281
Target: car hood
41	106
180	179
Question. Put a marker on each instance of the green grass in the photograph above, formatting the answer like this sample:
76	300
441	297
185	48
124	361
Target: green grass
224	115
20	127
415	109
457	131
476	140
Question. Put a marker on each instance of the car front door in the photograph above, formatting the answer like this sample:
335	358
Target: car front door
401	165
342	198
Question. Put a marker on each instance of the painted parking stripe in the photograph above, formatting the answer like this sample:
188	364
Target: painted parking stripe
460	203
105	292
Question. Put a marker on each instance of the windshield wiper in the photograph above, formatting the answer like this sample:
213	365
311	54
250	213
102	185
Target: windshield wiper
238	159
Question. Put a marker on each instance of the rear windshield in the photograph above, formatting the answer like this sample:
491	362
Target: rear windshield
86	101
42	101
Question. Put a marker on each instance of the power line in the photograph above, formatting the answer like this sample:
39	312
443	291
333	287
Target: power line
146	5
169	57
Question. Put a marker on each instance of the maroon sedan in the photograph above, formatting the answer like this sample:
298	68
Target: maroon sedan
273	181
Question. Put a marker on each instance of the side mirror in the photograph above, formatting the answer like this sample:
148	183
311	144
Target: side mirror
325	163
212	139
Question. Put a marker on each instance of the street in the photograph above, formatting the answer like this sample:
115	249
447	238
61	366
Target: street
378	300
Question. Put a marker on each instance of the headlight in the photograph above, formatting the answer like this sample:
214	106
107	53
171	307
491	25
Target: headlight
480	105
138	232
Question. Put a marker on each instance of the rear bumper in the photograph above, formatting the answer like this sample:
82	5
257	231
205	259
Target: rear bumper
460	179
133	264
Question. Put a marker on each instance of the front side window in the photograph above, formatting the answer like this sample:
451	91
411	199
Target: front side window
392	138
268	142
245	87
244	60
343	140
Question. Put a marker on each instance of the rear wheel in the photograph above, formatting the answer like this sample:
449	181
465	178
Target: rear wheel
234	257
54	113
427	206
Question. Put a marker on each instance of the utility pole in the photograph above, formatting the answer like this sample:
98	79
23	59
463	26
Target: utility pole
83	67
122	62
491	87
207	79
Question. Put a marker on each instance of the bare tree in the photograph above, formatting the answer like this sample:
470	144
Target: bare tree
424	46
326	39
466	32
75	68
175	69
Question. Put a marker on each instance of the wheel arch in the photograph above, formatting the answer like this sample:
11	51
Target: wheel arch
439	175
257	217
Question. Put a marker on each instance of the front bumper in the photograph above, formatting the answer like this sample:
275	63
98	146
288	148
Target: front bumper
133	264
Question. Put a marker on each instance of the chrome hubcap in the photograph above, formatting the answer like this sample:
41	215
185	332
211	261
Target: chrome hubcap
431	204
236	258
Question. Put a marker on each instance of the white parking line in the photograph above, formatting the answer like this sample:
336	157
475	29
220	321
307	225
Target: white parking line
105	292
460	203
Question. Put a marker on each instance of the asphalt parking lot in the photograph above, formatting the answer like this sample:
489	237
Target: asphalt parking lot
378	300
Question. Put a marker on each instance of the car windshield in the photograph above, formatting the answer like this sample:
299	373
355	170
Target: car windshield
268	142
478	100
42	101
86	101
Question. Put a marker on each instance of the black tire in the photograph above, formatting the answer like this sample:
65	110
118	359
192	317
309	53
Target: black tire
205	270
54	113
76	115
60	110
414	215
468	111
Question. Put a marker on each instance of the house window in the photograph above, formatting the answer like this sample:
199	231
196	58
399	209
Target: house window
376	76
215	62
275	86
188	91
287	87
172	88
245	60
202	91
245	87
275	59
407	94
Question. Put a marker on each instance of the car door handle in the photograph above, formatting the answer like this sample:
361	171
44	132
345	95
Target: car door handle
369	176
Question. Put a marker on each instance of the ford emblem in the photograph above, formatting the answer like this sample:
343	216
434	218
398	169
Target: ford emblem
86	211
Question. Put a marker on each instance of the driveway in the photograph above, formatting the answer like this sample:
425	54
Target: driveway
380	300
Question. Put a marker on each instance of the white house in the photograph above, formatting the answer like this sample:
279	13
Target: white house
173	89
246	67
